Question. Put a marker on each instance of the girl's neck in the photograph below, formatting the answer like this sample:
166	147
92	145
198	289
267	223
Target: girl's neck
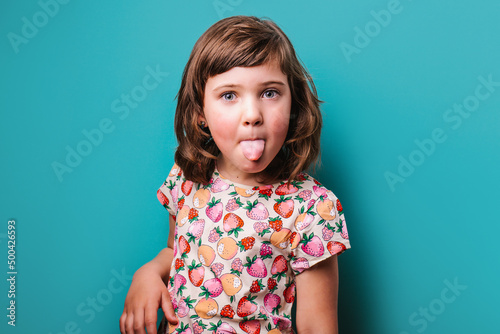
249	179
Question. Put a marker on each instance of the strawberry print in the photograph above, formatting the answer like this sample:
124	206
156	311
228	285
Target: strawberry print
256	210
214	210
237	250
284	206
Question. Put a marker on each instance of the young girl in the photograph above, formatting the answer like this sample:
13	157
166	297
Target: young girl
250	232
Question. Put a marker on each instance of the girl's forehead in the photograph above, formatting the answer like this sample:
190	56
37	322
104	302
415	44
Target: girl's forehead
264	72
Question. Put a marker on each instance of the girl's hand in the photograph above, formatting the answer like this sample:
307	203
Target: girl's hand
147	293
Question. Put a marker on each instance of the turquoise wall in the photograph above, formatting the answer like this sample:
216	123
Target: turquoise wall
411	147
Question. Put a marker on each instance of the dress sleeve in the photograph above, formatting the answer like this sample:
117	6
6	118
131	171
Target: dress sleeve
168	192
321	232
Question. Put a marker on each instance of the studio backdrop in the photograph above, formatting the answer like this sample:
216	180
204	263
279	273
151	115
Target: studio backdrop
410	144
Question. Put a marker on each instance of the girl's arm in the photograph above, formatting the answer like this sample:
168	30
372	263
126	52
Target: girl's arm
148	292
317	293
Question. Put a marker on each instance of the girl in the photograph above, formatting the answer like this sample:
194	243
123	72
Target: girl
250	232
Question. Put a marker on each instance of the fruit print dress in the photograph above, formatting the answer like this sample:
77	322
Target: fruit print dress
238	249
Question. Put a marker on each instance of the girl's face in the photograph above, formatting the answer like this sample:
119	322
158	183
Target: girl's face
247	110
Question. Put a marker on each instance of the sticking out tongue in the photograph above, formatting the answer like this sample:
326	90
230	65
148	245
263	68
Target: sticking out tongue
252	149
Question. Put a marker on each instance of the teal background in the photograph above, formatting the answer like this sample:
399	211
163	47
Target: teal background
74	235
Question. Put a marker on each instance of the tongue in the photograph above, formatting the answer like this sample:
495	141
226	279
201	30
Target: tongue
252	149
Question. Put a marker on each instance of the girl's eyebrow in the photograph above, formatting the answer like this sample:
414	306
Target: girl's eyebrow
266	83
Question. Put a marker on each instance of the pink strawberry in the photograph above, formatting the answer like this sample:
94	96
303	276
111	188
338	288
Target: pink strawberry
214	210
184	329
319	190
288	188
217	268
328	231
265	250
284	206
184	305
304	196
218	185
272	303
256	267
250	326
196	273
211	288
173	191
256	210
300	264
236	266
246	306
280	266
179	283
342	229
198	327
312	245
195	230
221	328
233	204
215	234
335	247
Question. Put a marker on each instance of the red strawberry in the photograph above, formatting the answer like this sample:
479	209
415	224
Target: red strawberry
284	206
257	286
196	273
162	198
288	188
186	187
271	284
184	246
265	193
227	312
179	263
193	213
250	326
335	247
276	223
232	224
279	267
246	243
339	206
289	292
246	306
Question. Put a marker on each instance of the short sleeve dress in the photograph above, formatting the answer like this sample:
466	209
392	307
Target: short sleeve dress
238	250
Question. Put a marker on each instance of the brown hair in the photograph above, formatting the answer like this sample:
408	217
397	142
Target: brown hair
245	41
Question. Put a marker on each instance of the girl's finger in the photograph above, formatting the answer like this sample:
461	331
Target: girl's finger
150	317
123	318
138	325
167	308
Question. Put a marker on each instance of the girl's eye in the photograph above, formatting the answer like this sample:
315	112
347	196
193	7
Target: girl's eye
228	96
269	94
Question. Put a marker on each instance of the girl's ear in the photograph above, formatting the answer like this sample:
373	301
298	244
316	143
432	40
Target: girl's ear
202	122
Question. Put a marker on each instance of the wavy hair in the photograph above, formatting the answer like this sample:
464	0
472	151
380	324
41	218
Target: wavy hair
245	41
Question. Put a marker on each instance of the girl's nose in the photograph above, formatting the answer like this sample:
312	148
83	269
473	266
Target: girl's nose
252	114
